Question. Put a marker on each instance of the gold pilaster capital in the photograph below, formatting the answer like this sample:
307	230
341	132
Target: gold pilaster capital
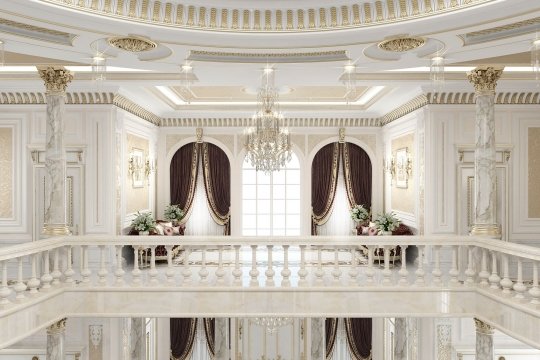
57	327
483	328
484	78
56	78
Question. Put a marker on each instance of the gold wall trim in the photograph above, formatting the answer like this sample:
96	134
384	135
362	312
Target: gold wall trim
245	57
35	32
262	19
407	108
135	109
500	32
291	122
38	98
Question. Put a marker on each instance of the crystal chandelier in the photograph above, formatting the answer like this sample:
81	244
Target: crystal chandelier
535	59
267	143
436	74
99	68
349	81
272	323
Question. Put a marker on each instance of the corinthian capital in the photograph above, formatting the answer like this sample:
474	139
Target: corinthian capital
57	327
482	327
56	78
484	78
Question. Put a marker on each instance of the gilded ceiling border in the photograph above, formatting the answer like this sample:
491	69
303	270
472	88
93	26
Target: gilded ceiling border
361	14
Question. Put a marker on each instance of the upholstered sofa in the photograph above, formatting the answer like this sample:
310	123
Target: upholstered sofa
163	228
395	253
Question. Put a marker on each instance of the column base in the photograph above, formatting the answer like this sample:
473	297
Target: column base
55	229
486	230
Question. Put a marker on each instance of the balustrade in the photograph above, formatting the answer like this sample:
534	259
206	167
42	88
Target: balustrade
281	262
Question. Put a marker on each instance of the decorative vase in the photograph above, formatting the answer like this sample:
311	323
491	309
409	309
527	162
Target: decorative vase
386	233
144	232
175	222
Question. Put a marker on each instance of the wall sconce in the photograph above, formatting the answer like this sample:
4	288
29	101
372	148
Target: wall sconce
399	166
140	167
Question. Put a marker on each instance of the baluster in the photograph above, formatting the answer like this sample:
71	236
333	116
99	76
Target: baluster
86	272
519	287
506	283
69	267
469	273
336	273
153	273
220	272
387	273
20	286
102	273
370	273
136	272
285	272
302	272
319	273
237	272
484	274
270	271
494	278
403	272
186	273
119	272
46	278
33	283
254	272
420	273
437	273
170	271
56	274
5	291
535	291
353	272
454	272
203	272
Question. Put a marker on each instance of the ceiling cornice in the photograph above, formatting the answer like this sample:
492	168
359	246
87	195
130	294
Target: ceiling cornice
264	19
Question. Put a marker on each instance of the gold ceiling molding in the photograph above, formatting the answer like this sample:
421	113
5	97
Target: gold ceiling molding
407	108
35	32
178	14
501	98
39	98
132	43
401	44
290	122
245	57
135	109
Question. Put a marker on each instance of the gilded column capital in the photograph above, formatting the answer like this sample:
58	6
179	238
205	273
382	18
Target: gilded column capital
484	78
483	328
56	78
57	327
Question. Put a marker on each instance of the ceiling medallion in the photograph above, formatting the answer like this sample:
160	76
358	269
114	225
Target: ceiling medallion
132	43
401	44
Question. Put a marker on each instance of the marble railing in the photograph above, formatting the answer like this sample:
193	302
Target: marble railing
281	262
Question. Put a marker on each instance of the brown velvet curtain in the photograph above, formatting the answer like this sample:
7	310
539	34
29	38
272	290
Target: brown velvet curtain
330	329
210	331
183	176
217	184
359	334
357	166
324	171
183	333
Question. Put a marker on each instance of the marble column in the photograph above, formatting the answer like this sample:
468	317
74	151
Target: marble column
484	340
405	339
133	339
56	80
317	339
221	339
55	340
95	340
484	80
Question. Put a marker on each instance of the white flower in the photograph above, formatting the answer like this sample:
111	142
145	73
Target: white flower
359	213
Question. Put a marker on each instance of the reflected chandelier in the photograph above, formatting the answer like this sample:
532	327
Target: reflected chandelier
267	143
272	323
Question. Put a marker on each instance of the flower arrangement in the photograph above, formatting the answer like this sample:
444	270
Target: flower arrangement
359	213
143	222
386	222
173	213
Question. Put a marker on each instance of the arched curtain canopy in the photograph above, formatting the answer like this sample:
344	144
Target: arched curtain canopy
217	180
324	175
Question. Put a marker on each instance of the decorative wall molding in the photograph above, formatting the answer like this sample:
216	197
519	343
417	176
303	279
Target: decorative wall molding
72	98
500	32
137	110
246	57
290	122
35	32
182	15
407	108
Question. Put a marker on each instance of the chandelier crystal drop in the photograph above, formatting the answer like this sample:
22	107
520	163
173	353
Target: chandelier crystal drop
535	59
267	142
272	324
436	74
349	80
99	68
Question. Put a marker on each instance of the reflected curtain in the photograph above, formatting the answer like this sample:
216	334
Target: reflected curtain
217	183
359	334
210	330
330	331
183	176
357	166
183	332
324	175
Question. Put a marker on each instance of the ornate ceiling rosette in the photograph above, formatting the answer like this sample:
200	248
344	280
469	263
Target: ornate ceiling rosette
401	44
132	43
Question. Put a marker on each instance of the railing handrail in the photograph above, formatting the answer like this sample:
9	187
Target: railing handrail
519	250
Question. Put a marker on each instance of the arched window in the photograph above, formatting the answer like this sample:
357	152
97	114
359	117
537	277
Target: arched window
271	203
